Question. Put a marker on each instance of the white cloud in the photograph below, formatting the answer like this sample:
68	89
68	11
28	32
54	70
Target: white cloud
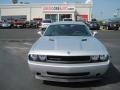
89	2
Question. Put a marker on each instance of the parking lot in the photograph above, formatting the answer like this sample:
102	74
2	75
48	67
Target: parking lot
15	73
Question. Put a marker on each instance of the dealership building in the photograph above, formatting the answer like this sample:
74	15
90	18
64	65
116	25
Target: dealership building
54	11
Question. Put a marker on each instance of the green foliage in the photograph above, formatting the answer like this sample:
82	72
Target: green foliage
100	22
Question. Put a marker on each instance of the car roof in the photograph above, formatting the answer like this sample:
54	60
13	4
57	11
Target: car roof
68	22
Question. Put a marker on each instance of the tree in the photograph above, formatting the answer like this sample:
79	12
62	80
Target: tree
14	1
21	2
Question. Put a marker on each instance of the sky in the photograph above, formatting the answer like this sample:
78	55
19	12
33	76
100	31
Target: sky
102	9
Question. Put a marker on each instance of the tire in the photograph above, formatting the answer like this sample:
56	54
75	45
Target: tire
119	28
116	29
107	28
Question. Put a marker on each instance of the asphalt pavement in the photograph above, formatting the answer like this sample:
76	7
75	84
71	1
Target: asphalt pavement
15	73
18	34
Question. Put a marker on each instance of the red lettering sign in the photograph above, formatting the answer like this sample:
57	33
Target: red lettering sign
58	8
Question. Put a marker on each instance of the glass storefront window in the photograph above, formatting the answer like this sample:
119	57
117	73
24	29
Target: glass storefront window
23	17
53	17
62	16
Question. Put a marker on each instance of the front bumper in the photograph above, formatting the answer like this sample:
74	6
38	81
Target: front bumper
68	72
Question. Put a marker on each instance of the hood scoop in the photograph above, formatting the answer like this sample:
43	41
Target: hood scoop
84	39
51	39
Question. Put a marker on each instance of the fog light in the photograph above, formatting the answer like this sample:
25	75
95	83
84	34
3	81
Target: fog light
95	58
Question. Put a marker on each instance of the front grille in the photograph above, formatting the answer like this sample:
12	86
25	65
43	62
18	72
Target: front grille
68	59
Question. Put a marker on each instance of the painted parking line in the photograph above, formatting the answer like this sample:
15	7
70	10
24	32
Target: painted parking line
21	48
29	44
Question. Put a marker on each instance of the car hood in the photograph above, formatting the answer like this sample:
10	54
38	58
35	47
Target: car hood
64	45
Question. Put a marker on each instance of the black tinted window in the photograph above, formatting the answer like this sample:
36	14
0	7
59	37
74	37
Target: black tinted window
46	21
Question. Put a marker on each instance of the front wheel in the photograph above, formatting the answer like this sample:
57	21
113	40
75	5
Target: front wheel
117	28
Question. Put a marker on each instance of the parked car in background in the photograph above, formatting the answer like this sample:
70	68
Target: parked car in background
27	24
45	23
94	20
6	24
68	52
34	24
93	25
19	23
31	24
111	24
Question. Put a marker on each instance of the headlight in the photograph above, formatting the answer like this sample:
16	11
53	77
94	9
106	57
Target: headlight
99	57
103	57
91	25
33	57
95	57
42	57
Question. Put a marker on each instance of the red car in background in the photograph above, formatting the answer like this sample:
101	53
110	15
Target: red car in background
19	23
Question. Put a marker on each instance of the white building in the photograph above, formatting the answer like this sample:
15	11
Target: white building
53	11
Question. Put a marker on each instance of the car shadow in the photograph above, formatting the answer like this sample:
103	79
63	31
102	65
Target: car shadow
112	77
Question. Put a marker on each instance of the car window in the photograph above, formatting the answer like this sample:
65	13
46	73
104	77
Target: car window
67	30
46	21
67	19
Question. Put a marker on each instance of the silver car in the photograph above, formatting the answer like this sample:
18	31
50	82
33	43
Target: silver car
6	25
68	52
45	23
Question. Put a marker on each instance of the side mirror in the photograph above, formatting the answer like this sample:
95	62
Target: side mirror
94	33
40	33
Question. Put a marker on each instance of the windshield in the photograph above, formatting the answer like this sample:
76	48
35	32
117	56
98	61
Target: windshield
67	30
